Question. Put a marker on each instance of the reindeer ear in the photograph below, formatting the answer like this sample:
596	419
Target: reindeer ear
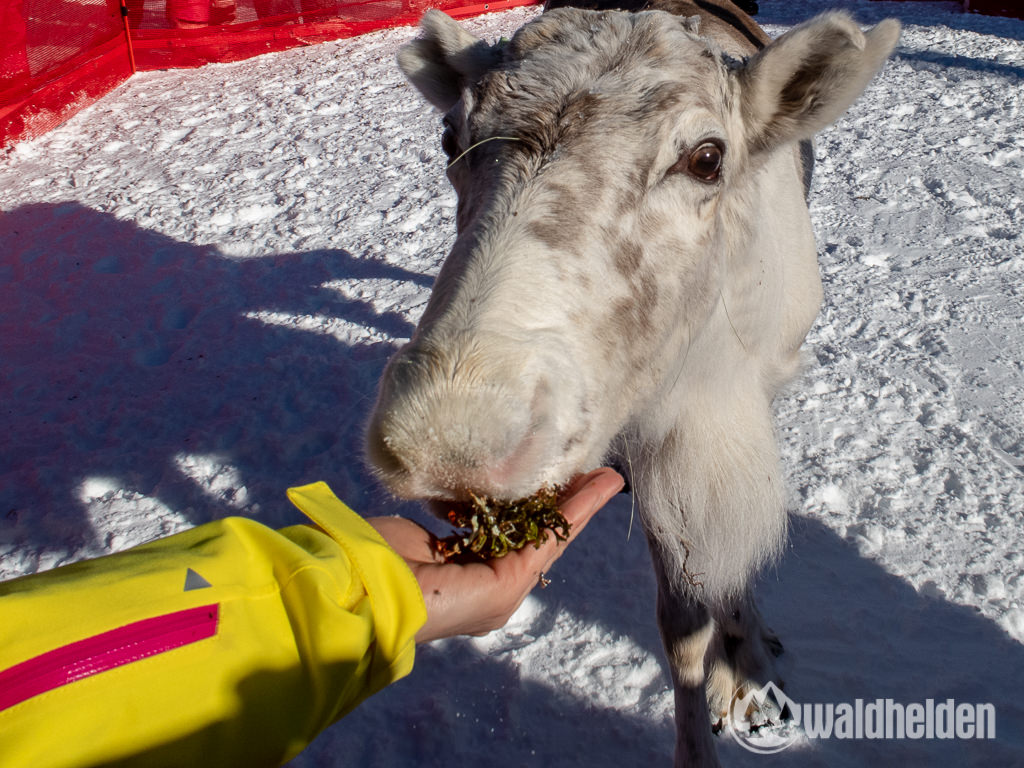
807	78
444	59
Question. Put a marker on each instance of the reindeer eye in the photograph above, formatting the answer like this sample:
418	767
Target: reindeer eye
704	163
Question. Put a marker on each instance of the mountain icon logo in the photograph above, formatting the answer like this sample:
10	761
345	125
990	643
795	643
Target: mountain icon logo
761	719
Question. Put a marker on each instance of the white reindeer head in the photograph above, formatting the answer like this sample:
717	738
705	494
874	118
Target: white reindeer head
611	171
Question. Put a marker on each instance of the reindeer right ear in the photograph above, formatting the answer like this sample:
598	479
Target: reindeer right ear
444	60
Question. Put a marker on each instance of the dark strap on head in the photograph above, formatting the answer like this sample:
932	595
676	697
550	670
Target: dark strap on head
632	6
749	7
731	19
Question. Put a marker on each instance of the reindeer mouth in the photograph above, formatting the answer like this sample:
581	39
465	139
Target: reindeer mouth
444	508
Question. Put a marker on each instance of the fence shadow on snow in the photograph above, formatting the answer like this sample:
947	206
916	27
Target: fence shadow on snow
132	357
124	349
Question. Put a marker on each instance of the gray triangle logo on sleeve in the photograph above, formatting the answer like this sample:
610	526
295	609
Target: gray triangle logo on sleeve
194	581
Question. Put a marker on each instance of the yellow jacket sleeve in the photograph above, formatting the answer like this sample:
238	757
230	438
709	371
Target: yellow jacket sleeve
230	644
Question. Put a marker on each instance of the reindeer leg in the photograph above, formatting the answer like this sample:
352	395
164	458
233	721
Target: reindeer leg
687	630
742	654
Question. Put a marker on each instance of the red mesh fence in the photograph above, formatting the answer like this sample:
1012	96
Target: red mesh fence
57	56
186	33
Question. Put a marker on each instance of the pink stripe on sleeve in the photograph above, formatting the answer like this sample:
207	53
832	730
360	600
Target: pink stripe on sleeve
108	650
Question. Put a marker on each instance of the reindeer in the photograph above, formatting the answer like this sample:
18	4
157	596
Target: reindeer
632	279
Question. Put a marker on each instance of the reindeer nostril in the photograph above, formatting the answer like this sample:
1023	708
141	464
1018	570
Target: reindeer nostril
380	452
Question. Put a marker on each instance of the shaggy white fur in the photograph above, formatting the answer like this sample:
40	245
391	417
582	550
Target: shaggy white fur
634	274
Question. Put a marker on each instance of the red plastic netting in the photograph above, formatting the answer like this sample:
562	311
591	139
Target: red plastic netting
57	56
183	33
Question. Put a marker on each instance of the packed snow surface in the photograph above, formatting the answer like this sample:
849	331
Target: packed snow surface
202	276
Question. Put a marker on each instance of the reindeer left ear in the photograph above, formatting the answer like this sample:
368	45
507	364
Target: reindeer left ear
444	59
807	78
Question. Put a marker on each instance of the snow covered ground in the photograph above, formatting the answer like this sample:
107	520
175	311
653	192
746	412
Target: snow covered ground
202	275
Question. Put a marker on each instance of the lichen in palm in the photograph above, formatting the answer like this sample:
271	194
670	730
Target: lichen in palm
493	527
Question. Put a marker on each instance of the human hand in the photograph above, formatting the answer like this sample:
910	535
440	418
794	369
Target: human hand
476	598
